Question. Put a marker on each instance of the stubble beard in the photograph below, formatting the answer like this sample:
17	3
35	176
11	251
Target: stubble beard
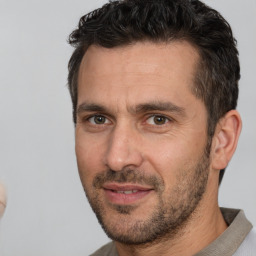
169	216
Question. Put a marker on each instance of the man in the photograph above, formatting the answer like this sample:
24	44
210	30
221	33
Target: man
154	86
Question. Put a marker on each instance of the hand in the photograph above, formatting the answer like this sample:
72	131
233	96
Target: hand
2	200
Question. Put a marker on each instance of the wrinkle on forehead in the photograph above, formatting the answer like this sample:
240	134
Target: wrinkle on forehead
141	58
138	74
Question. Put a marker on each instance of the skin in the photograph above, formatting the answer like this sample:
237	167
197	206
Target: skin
2	200
113	84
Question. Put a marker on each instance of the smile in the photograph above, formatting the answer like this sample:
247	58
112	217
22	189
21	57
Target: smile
125	194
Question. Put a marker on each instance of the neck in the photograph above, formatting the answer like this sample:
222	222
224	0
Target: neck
202	228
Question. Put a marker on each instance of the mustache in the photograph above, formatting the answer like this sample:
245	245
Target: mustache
128	176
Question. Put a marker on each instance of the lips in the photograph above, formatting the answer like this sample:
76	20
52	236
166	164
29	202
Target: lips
127	192
124	194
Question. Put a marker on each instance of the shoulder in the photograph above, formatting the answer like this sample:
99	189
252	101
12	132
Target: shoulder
248	246
106	250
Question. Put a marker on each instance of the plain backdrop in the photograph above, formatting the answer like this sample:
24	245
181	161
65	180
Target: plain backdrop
47	212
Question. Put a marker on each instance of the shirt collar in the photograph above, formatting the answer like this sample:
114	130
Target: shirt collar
230	240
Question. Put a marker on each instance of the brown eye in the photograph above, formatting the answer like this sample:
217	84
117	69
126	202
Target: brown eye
157	120
98	120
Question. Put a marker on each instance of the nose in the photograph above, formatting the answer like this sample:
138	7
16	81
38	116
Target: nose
123	150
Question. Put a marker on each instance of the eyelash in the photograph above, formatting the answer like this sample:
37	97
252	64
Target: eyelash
87	119
166	119
161	117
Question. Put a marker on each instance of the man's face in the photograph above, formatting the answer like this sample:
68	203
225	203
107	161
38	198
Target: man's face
141	138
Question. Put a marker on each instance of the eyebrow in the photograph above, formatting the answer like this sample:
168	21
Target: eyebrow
140	108
90	107
158	106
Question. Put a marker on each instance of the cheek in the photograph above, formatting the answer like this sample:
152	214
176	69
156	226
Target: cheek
173	158
89	158
166	162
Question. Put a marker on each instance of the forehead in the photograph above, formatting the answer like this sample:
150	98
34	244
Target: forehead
138	72
140	56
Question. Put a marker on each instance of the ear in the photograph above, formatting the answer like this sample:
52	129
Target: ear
225	139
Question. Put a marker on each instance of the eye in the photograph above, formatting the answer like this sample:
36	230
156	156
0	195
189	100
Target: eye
157	120
98	119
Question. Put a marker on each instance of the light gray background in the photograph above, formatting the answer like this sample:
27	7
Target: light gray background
47	211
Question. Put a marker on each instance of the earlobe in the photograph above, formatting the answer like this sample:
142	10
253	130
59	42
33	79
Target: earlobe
225	139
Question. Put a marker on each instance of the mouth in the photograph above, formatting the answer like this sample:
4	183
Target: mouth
125	194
